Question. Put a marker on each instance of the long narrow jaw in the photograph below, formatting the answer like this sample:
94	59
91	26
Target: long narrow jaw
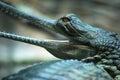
17	14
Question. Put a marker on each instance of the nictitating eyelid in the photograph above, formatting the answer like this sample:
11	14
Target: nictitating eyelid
74	29
69	25
66	28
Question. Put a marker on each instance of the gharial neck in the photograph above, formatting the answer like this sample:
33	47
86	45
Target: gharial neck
110	60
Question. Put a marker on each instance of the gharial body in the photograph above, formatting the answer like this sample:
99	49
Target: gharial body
103	58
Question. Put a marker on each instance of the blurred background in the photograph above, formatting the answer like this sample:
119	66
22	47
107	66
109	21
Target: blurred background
16	55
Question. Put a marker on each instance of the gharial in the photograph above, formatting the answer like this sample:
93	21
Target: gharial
103	61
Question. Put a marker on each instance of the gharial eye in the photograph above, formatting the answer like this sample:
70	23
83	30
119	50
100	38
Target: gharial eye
65	19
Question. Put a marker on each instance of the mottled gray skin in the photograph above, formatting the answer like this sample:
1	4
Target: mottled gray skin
103	46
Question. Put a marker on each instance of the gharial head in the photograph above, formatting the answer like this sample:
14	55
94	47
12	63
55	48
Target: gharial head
83	34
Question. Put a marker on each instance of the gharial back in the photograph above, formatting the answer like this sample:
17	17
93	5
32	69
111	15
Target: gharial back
61	70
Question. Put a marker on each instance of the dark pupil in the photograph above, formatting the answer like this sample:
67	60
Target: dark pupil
65	19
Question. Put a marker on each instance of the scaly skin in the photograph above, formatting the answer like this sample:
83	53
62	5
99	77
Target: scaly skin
54	71
104	46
